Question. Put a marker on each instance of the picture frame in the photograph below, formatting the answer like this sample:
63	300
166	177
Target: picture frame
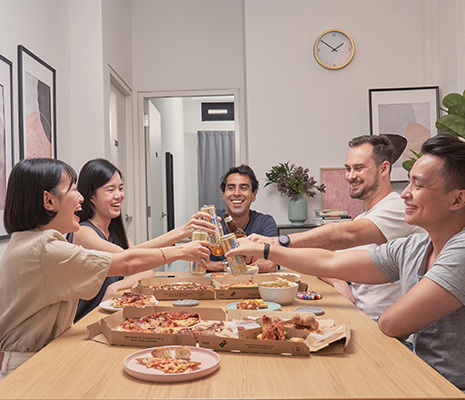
36	107
6	133
336	196
410	113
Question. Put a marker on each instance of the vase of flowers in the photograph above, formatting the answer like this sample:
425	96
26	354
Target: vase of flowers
294	183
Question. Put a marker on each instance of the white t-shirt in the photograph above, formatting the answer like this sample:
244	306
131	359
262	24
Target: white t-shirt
389	216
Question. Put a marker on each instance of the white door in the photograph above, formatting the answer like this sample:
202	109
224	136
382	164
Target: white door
118	146
154	170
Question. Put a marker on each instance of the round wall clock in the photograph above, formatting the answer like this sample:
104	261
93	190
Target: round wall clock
334	49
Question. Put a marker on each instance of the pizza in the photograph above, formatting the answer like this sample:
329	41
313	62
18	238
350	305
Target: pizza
160	322
251	304
164	361
181	286
245	284
206	328
133	300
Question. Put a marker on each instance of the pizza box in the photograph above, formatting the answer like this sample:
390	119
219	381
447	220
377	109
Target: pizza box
333	341
143	288
248	292
104	331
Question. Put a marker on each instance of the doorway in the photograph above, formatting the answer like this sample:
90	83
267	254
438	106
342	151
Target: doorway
171	123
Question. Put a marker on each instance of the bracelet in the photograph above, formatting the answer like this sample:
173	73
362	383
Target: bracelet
163	255
266	251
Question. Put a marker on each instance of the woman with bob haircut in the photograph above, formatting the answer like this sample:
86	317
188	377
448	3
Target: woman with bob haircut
42	276
101	226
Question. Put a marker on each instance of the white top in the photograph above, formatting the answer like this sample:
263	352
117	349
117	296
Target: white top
389	216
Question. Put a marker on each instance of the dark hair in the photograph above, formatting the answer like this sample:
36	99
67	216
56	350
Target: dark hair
243	170
383	149
94	174
452	151
29	179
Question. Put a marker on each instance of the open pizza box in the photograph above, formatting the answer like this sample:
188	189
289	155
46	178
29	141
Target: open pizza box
143	287
104	331
333	339
250	292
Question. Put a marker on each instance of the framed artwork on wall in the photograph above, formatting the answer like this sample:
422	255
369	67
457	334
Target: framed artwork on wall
6	132
336	196
37	106
410	113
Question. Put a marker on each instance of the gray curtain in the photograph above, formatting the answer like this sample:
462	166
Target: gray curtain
216	154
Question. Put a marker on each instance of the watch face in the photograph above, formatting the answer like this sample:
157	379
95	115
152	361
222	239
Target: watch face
284	240
334	49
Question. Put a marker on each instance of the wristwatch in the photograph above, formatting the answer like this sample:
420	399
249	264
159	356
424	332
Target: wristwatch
284	240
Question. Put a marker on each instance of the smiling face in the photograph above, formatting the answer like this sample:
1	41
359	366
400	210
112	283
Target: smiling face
107	199
238	195
361	172
65	203
426	202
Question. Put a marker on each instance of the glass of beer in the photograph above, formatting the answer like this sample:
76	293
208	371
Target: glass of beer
216	250
194	267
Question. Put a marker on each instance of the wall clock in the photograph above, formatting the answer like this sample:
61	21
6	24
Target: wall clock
334	49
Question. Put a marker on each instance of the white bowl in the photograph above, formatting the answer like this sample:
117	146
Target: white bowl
280	295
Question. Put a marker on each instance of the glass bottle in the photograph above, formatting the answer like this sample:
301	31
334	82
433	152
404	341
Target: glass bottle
232	225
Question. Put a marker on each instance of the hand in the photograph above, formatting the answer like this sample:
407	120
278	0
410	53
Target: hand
111	290
198	222
335	49
247	248
197	251
331	47
263	239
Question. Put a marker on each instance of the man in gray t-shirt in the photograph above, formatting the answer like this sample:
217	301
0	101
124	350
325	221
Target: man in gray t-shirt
430	267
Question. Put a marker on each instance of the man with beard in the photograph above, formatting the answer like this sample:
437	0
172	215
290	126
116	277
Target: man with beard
240	186
368	167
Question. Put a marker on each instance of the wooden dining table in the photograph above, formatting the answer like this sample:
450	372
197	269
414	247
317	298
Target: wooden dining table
372	366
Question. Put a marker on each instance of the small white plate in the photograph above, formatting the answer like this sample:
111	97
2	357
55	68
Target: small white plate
108	306
210	361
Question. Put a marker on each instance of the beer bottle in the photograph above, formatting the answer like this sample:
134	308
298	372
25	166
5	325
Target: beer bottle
216	250
232	225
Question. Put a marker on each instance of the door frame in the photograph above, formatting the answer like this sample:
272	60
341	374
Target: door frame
140	149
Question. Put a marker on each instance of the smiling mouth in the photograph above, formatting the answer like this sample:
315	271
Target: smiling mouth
237	201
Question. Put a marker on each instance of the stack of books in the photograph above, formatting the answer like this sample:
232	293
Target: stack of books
327	216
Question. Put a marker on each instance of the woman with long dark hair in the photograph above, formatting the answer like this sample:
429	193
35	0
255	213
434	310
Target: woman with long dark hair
42	276
101	184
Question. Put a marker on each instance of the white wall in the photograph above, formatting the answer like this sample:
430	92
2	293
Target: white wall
300	112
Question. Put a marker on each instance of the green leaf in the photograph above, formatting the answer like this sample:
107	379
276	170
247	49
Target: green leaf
451	124
453	99
458	109
407	165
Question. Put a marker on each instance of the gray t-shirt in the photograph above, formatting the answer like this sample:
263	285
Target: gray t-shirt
441	344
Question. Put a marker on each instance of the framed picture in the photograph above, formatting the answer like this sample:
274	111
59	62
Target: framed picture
37	106
6	132
336	196
410	113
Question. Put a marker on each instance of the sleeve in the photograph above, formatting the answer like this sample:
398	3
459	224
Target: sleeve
448	270
385	258
389	217
70	271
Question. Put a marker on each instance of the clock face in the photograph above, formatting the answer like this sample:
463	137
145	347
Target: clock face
334	49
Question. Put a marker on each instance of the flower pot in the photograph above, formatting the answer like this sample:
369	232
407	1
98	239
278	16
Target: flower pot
297	210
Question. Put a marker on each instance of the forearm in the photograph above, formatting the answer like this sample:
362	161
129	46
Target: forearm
265	265
168	239
339	235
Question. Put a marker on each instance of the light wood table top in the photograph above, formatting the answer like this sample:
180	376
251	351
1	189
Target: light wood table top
373	366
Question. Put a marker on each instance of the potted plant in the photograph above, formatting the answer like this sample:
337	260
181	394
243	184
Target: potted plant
453	122
294	183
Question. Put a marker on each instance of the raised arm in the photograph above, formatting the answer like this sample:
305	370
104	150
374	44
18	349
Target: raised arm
353	266
136	260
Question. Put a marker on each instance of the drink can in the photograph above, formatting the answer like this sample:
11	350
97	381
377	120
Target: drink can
214	237
236	263
194	267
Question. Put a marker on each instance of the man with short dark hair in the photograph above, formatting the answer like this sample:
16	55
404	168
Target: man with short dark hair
430	267
368	166
240	186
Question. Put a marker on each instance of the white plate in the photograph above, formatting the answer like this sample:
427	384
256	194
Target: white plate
271	306
285	273
210	361
108	305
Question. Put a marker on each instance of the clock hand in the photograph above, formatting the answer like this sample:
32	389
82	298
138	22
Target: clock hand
335	49
327	45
